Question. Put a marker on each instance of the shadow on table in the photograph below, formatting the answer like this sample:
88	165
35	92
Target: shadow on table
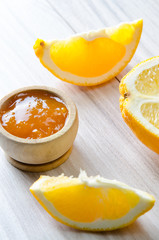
135	229
88	88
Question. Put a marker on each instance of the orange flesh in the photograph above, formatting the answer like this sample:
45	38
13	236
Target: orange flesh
33	114
87	58
88	204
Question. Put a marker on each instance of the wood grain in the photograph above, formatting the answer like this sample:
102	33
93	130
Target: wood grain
104	144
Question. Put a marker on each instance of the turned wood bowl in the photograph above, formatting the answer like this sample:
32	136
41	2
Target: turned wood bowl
43	150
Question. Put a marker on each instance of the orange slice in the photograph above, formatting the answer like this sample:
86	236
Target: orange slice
91	203
91	58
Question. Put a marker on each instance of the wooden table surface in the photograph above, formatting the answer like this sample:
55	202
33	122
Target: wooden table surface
104	144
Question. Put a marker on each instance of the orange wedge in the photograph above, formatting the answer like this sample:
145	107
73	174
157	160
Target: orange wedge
91	203
91	58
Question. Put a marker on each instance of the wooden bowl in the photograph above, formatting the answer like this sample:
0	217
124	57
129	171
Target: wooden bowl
44	150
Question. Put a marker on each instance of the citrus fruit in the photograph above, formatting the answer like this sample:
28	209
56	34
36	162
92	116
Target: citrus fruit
139	102
90	58
91	203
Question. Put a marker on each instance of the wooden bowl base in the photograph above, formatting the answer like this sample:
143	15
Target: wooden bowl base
40	167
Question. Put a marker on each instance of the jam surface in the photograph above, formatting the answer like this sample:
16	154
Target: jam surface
33	114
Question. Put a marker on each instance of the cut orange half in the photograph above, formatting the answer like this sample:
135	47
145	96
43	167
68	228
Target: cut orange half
91	58
139	102
91	203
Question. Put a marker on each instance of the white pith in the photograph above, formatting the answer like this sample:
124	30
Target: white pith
46	58
144	203
136	98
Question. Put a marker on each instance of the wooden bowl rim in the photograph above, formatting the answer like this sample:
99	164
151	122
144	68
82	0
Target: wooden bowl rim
72	110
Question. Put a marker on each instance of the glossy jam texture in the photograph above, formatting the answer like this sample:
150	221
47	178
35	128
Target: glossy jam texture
33	114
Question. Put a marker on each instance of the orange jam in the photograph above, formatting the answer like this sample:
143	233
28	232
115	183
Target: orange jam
33	114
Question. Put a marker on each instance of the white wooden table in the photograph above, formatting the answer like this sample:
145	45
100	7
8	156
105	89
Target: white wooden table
104	144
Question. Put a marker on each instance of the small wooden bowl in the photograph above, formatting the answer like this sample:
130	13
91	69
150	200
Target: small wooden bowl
45	150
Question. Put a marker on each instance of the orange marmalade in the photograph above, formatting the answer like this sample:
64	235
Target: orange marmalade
33	114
